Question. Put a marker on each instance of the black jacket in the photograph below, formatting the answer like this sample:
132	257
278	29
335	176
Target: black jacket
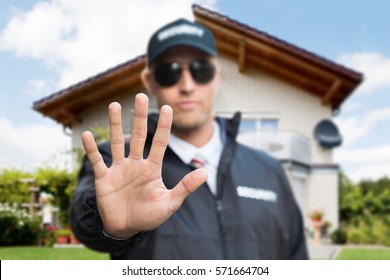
253	216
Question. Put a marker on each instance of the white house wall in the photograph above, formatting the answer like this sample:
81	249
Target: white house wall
323	195
258	94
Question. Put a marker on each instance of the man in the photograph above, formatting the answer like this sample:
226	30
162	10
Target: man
146	200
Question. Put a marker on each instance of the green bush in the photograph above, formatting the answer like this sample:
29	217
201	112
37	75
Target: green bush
46	236
63	232
381	232
17	227
364	210
354	236
339	236
61	184
369	229
12	189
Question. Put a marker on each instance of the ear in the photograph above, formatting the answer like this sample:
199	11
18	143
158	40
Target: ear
146	78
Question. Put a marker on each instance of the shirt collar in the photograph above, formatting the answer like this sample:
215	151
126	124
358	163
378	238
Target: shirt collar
211	151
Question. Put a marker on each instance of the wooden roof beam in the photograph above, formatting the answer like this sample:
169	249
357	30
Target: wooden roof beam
333	89
269	50
241	55
287	75
70	116
93	93
126	73
270	66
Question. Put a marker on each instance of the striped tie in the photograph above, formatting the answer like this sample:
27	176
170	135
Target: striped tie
198	161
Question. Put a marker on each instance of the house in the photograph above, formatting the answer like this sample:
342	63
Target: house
287	96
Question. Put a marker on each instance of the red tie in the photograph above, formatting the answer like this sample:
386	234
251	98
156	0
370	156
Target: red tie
197	162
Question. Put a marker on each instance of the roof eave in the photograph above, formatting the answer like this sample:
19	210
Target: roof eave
332	82
66	105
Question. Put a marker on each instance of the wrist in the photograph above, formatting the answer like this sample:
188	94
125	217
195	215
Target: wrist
120	235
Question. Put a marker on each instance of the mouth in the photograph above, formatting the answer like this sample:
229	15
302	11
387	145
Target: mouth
186	105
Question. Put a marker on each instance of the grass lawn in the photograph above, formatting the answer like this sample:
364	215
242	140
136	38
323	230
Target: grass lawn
44	253
364	254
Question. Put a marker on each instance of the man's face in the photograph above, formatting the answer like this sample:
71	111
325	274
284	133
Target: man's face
191	101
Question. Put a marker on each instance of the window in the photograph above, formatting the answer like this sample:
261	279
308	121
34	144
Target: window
247	126
269	124
253	125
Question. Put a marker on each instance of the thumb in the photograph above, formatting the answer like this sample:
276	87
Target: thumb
190	183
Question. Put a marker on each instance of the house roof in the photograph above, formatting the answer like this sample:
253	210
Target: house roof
248	46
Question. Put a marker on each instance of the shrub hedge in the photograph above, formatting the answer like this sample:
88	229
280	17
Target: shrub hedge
364	211
17	226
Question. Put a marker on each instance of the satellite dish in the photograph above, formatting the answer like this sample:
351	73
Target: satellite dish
327	134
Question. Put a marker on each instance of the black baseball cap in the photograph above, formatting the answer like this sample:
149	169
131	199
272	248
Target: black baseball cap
181	32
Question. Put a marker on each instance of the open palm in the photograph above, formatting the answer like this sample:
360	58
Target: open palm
131	196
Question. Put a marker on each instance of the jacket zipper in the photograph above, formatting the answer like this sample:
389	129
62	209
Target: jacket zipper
222	234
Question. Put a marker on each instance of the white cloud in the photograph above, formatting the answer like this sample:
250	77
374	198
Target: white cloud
375	67
363	163
351	107
75	39
356	127
33	145
78	38
377	155
371	163
39	88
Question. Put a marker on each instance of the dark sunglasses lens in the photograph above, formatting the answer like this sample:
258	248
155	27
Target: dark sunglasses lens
167	74
202	71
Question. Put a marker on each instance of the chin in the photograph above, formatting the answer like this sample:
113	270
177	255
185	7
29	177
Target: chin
185	125
189	121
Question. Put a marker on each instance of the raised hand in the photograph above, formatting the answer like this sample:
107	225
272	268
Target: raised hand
131	196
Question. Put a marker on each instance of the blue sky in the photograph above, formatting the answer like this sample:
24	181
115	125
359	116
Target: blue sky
48	45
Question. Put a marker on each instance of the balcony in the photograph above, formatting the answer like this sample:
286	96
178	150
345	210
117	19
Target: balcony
282	145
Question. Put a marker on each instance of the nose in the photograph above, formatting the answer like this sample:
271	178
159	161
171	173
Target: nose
186	83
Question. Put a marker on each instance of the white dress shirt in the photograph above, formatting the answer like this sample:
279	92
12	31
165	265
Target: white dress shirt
210	152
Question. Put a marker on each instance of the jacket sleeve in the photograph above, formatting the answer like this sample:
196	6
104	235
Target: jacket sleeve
84	215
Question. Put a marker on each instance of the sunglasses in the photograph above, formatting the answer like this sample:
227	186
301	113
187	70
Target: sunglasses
168	74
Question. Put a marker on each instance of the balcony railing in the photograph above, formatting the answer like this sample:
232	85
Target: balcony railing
279	144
